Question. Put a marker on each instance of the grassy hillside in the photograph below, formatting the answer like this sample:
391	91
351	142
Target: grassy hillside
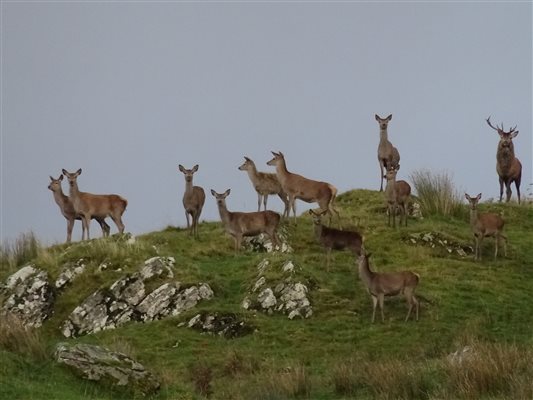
337	353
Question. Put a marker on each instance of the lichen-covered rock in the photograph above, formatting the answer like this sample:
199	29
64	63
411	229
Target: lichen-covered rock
29	295
100	364
69	273
263	244
126	300
284	295
227	325
156	266
437	240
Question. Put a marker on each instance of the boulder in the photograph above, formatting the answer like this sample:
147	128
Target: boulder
97	363
70	272
29	295
227	325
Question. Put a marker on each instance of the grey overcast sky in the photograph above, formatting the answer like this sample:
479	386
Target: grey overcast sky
129	90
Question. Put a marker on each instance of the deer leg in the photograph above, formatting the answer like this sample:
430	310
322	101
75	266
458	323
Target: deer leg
259	195
388	214
404	207
394	209
238	239
292	200
381	298
86	220
197	218
265	200
479	241
118	222
517	185
497	240
374	304
381	175
409	298
187	218
103	226
328	255
70	225
501	189
508	191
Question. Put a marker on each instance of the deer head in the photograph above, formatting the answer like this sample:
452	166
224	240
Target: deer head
506	138
221	198
188	172
383	122
55	184
473	200
278	157
71	176
317	217
247	164
392	170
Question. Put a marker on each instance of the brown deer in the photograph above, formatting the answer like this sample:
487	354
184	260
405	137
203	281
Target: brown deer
381	284
508	167
88	205
265	184
387	153
193	200
485	224
298	187
397	194
67	209
240	224
335	239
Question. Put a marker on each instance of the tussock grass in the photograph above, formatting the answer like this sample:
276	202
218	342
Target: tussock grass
291	382
437	194
491	370
19	251
17	338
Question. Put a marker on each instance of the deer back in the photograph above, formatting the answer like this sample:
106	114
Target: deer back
252	223
100	205
393	283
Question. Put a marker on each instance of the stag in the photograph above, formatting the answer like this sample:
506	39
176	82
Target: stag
508	167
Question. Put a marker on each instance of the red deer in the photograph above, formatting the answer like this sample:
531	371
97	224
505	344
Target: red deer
381	284
264	184
88	205
397	194
485	224
193	200
240	224
508	167
387	154
298	187
67	209
335	239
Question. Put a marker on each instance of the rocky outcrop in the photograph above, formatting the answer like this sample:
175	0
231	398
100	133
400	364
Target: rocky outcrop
100	364
126	300
227	325
286	295
262	243
438	240
70	272
29	295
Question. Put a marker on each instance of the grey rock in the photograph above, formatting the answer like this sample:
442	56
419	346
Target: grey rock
100	364
156	266
29	295
227	325
70	272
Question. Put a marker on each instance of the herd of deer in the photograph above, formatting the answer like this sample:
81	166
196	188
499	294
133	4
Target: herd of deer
290	187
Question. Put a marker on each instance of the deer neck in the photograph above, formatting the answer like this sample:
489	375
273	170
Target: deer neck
281	171
365	273
473	216
318	230
505	157
390	193
188	187
252	173
383	136
224	213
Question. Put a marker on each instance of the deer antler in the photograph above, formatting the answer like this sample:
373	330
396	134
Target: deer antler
513	129
492	126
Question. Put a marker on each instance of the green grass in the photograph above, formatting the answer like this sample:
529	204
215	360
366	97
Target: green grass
336	353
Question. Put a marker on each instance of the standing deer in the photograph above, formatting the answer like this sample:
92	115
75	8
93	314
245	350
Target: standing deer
240	224
335	239
384	284
485	224
508	167
67	209
89	206
193	200
397	194
387	153
265	184
298	187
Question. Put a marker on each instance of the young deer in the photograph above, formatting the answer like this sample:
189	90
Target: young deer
508	167
387	153
240	224
265	184
397	194
89	206
67	209
485	224
193	199
298	187
384	284
335	239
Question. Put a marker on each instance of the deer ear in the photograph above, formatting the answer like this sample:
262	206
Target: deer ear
398	167
281	154
60	177
213	192
467	197
514	134
195	168
180	167
64	171
227	192
479	196
52	179
247	159
376	117
78	172
274	153
389	117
